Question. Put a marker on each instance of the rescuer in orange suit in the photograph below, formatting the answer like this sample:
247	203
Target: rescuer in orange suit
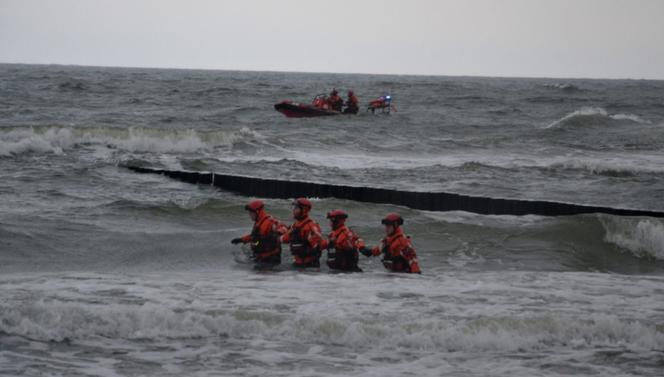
264	236
335	102
343	243
304	236
352	103
398	253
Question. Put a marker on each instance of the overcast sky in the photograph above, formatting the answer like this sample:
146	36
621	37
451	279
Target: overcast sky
532	38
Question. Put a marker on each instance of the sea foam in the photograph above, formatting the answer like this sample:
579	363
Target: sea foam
60	321
592	116
55	139
643	238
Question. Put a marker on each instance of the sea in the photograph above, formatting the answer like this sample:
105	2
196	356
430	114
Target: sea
107	272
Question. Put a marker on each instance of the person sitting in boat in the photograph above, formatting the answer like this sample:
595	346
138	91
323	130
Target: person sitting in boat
382	103
352	104
321	102
264	236
397	250
343	244
335	102
304	236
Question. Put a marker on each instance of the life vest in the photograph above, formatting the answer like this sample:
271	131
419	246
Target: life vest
399	255
320	102
335	103
264	242
352	102
300	247
344	255
377	103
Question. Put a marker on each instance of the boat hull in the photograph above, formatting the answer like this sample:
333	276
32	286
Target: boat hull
301	110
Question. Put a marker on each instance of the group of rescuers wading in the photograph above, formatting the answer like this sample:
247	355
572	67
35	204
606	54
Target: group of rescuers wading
307	242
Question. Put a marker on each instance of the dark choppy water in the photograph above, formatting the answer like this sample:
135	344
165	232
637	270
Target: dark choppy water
108	272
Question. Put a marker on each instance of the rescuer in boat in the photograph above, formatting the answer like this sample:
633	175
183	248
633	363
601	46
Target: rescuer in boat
334	101
264	236
343	244
352	104
304	236
382	103
396	248
321	102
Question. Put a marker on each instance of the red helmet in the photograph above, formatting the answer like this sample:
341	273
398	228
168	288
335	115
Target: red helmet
254	206
303	203
392	219
336	215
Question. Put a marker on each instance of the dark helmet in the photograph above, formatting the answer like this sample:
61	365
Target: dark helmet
337	215
334	92
254	206
303	203
350	93
392	219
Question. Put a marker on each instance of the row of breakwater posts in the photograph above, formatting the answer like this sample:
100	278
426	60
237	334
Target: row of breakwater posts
429	201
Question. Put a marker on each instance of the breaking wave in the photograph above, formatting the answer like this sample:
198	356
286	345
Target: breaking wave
614	166
74	85
593	116
565	87
16	141
643	238
63	321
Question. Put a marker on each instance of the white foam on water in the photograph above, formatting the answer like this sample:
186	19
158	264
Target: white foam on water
594	163
498	221
356	318
170	143
55	139
592	116
59	321
18	141
562	86
619	163
643	238
360	324
632	117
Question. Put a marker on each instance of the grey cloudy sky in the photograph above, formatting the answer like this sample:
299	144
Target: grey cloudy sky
541	38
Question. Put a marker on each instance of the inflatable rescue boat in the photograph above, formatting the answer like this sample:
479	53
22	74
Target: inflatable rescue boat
317	108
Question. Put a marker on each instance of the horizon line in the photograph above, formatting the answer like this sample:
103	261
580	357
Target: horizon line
336	73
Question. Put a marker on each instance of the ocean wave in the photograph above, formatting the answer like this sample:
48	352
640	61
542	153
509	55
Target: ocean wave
172	205
215	90
565	87
594	116
496	221
610	167
73	85
16	141
47	320
19	141
631	117
614	166
642	238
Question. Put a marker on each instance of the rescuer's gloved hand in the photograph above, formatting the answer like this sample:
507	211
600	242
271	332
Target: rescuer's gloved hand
365	251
